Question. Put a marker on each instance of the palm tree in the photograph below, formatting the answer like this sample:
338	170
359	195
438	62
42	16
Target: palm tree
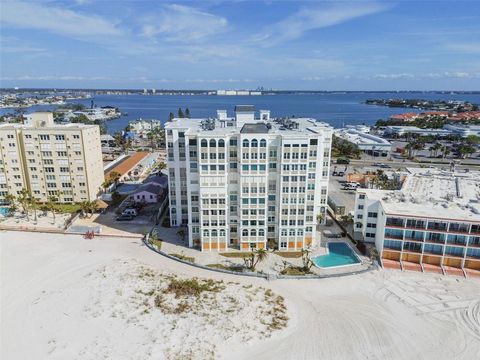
119	139
320	218
11	200
436	148
51	201
92	206
252	259
161	165
84	207
151	136
127	145
33	202
23	199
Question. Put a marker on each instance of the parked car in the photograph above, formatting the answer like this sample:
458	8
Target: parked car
130	211
124	217
338	173
343	161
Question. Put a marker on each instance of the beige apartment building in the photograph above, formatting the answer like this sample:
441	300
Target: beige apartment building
50	160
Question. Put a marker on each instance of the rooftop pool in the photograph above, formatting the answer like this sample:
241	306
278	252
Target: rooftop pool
339	254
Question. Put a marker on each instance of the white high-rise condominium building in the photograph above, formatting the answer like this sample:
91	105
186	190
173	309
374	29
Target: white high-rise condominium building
431	224
247	182
50	160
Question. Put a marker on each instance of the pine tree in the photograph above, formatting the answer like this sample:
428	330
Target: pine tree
170	116
187	113
180	113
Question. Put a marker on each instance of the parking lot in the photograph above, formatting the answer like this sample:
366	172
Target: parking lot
108	224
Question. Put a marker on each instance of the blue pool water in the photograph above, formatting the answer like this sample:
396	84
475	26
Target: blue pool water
339	254
4	211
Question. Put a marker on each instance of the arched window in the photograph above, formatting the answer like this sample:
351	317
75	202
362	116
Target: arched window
300	232
204	143
292	232
245	143
254	143
214	233
221	143
245	232
284	232
222	232
253	232
213	143
205	232
263	143
261	232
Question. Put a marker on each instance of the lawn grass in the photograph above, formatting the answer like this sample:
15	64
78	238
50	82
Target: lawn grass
67	208
289	254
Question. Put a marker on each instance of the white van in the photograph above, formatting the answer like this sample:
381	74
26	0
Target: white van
131	212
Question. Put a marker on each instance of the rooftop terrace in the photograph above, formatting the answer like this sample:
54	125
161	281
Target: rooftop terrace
248	125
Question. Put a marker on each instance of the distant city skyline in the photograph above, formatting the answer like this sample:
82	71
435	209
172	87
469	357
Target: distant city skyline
323	45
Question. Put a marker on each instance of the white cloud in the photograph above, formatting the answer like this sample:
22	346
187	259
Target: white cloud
466	48
393	76
452	74
182	23
54	78
61	21
308	19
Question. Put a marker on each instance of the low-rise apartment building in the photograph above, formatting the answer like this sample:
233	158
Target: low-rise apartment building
50	160
431	224
247	182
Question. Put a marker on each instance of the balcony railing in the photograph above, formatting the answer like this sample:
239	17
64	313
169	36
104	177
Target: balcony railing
394	236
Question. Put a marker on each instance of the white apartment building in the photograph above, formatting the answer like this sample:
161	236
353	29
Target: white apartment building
247	182
431	224
50	160
142	127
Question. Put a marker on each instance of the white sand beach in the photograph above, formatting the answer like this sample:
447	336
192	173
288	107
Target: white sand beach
64	297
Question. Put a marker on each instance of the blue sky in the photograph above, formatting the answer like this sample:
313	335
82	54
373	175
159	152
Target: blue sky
318	45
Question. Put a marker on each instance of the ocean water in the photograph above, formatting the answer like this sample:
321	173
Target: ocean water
337	109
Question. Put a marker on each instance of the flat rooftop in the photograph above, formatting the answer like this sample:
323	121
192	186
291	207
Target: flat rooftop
274	126
260	128
361	138
433	193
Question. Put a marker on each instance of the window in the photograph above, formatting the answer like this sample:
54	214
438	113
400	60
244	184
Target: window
233	142
361	196
263	143
213	143
204	143
360	207
44	137
372	214
221	143
59	137
254	143
245	143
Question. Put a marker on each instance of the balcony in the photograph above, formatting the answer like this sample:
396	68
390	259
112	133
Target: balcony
437	227
393	222
418	240
393	236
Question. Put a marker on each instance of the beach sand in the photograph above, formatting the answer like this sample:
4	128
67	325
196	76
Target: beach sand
59	294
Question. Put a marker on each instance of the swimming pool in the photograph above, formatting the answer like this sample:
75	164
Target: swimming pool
339	254
4	211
